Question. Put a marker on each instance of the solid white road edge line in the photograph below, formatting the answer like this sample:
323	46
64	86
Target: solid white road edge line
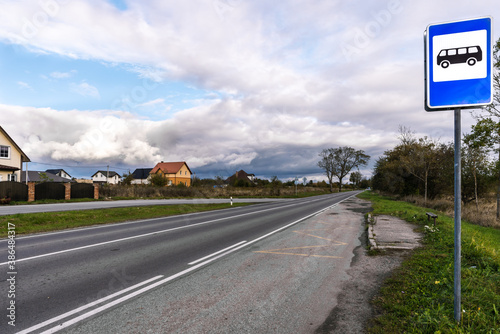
141	235
127	297
213	254
282	228
67	314
182	273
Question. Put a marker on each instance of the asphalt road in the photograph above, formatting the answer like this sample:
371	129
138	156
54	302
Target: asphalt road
61	279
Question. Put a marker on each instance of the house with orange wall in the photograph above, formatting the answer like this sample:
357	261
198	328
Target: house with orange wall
176	172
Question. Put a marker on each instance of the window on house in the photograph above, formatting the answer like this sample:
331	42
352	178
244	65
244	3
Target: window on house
5	152
12	177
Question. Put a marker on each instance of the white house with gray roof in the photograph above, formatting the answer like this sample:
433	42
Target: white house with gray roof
102	176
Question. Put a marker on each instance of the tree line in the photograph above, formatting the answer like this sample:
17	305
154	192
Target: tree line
425	166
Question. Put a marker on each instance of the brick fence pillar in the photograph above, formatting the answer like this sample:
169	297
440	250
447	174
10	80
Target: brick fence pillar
67	191
31	191
96	191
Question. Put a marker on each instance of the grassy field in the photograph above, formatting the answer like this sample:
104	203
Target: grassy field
53	221
418	298
138	191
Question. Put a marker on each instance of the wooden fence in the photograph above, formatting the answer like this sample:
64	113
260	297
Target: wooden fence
14	190
82	190
21	192
50	190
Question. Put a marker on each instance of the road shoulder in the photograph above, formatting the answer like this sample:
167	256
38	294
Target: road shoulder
391	239
367	275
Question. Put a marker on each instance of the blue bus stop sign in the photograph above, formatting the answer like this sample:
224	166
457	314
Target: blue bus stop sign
458	64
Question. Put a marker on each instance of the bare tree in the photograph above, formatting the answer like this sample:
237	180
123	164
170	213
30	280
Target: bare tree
475	159
419	156
494	109
338	162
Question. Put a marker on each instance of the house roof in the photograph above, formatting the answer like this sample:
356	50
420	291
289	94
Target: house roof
170	167
239	175
24	157
9	168
55	171
141	173
105	172
34	176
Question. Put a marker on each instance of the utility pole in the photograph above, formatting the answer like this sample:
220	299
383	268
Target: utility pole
107	176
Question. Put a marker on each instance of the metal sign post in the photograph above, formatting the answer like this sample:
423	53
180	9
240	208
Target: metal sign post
458	217
458	75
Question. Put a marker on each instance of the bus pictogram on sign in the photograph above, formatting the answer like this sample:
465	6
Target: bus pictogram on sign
470	55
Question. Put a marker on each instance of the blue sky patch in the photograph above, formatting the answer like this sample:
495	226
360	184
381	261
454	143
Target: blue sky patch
120	4
58	82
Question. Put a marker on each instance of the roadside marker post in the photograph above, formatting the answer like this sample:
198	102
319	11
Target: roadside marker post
458	75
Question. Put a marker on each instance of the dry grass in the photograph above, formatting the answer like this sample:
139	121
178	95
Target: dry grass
483	215
120	191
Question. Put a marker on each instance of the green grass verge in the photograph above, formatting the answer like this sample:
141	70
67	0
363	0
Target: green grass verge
418	298
55	201
53	221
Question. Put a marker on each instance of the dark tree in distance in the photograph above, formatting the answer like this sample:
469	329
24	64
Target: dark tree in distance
356	178
338	162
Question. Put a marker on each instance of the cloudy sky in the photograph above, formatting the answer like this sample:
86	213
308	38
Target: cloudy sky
221	84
